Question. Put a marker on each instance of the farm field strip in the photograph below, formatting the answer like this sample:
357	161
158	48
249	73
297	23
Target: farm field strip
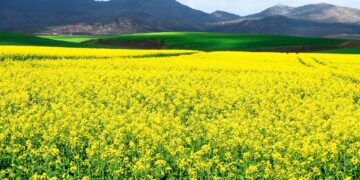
206	115
36	53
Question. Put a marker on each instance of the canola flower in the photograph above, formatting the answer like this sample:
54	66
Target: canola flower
236	115
35	53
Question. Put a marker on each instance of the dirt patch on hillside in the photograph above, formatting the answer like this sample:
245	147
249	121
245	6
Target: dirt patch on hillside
133	44
350	44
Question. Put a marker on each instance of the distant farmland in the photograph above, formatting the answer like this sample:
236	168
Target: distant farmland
184	40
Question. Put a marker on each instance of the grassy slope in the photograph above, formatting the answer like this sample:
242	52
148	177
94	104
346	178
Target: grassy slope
215	41
180	40
54	41
72	39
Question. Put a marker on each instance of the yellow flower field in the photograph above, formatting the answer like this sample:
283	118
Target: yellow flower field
30	53
124	114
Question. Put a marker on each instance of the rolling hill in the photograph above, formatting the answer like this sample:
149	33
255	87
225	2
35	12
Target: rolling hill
7	38
326	13
221	42
89	17
283	25
172	40
310	20
190	41
99	17
321	12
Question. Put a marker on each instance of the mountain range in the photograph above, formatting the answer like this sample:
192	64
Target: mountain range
133	16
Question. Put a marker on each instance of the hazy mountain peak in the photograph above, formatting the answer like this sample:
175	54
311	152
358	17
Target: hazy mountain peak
223	15
278	10
324	12
323	5
282	6
321	12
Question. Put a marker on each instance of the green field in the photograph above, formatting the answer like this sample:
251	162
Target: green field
220	42
72	39
183	40
7	38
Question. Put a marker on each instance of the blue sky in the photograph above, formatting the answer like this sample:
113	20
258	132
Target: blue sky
245	7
